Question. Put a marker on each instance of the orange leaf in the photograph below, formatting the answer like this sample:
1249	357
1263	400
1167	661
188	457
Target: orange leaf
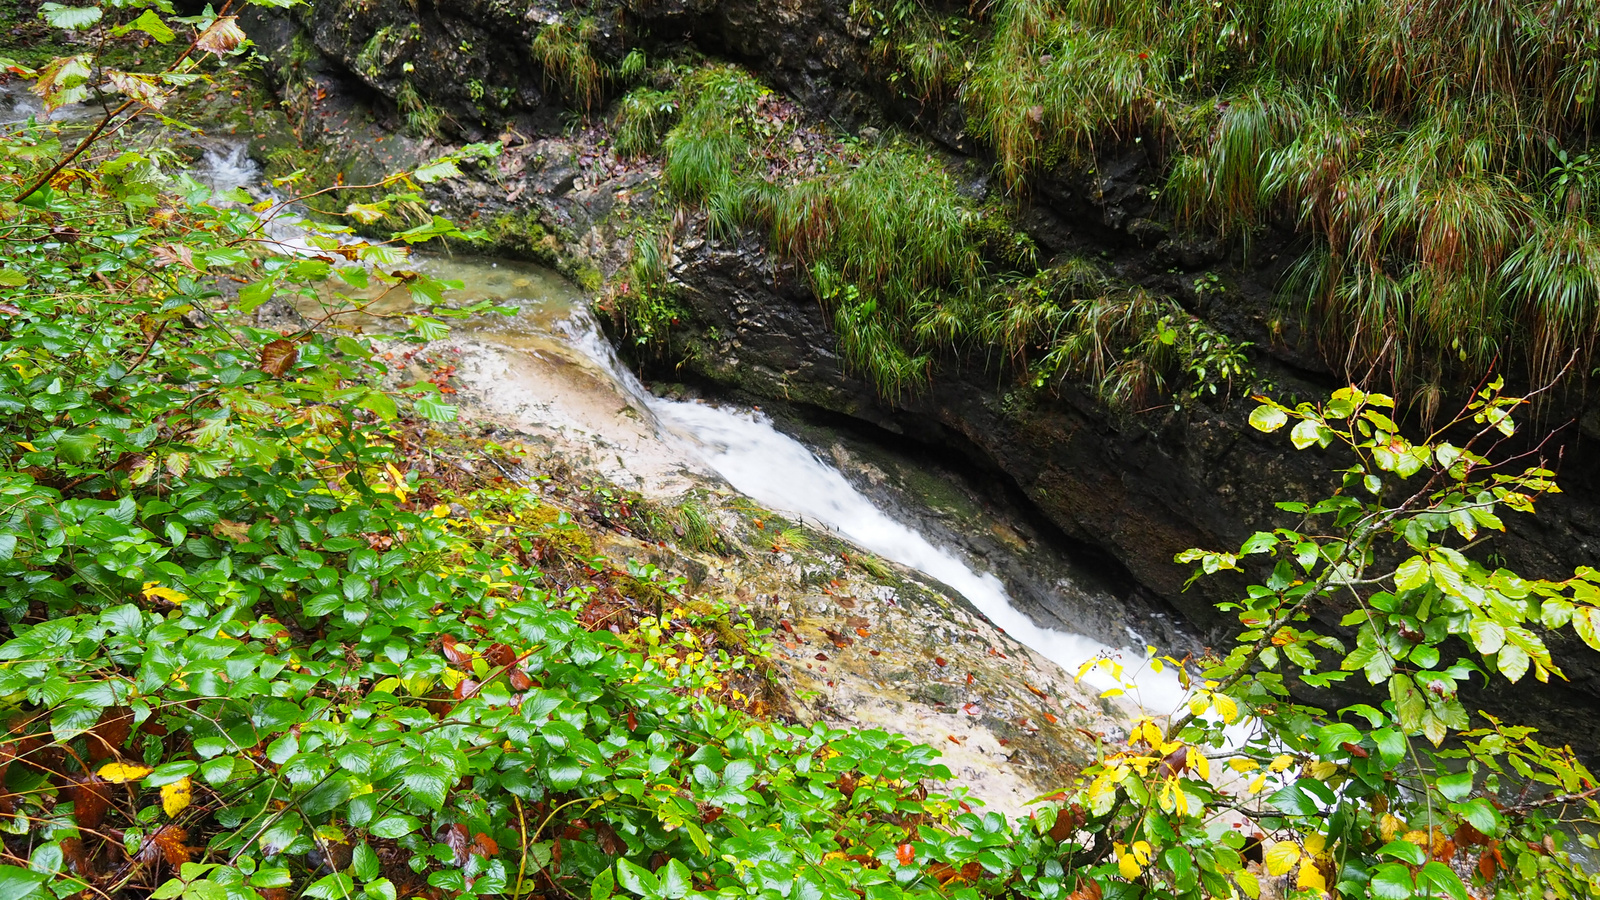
90	796
906	854
172	842
500	656
1488	863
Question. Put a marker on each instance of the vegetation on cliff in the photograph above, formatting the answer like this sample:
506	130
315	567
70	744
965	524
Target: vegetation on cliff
1438	152
257	644
909	265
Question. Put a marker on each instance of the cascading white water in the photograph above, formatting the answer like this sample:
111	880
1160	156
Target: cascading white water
780	473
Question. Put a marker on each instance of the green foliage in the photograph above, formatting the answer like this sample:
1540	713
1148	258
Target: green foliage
644	301
642	119
1073	322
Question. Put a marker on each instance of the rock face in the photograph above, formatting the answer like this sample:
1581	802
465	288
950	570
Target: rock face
1131	491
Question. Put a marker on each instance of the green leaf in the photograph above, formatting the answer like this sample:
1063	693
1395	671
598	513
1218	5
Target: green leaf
1408	702
603	885
216	771
332	887
1512	661
273	877
437	170
1392	881
70	17
1436	878
676	881
364	863
1488	637
1391	745
1405	851
1304	434
428	783
149	23
1455	787
17	883
637	879
12	278
1413	573
1481	813
392	827
1268	418
431	407
253	295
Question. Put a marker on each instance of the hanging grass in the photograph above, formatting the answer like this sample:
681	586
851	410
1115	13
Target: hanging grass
1438	150
908	266
562	48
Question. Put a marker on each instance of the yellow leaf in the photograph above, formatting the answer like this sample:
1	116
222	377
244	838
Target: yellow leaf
1390	826
1257	783
1310	877
1248	883
1315	843
26	446
153	591
176	796
1127	863
441	511
1226	707
1322	770
1281	762
1282	857
1243	765
1141	852
117	772
1148	732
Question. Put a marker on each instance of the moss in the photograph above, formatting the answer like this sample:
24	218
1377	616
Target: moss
522	236
567	538
588	277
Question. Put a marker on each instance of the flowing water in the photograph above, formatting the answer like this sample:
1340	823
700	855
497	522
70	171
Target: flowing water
745	449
